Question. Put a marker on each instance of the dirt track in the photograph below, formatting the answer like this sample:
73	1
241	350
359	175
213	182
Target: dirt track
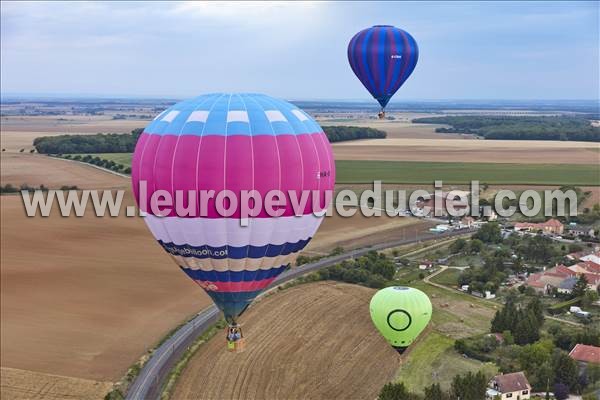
312	341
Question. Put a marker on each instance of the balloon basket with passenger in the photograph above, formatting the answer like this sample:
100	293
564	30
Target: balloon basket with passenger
236	343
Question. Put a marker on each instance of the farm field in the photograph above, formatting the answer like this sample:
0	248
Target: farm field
120	158
422	173
36	170
360	231
71	124
71	307
309	350
27	385
468	150
426	172
107	308
313	341
400	129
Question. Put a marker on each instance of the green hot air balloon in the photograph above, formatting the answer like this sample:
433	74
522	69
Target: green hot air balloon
400	314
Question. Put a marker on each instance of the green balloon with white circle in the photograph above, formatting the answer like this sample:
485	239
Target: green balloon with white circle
400	314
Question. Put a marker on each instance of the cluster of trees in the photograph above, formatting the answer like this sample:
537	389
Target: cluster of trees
462	246
523	323
566	339
489	233
546	362
108	164
480	347
512	257
548	368
8	188
497	263
99	143
536	249
373	270
519	128
344	133
471	386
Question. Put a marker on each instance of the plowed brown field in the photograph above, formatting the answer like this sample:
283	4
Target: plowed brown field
313	341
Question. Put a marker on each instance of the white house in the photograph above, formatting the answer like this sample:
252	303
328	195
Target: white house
513	386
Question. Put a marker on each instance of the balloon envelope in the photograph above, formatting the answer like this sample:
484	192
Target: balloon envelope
232	142
400	314
383	57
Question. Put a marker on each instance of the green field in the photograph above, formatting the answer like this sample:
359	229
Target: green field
435	360
448	278
119	158
350	171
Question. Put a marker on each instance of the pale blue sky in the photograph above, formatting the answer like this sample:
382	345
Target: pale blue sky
470	50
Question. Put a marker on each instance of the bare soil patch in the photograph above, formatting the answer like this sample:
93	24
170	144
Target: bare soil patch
313	341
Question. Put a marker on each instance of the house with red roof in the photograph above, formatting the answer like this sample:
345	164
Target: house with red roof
585	354
552	226
562	277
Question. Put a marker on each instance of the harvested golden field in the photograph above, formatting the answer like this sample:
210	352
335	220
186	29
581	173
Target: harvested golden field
469	150
359	231
85	297
71	124
27	385
403	129
18	132
313	341
36	170
13	142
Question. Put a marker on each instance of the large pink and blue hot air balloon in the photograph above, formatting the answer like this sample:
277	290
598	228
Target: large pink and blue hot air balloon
233	142
383	57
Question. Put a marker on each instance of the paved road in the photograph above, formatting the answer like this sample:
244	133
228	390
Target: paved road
154	373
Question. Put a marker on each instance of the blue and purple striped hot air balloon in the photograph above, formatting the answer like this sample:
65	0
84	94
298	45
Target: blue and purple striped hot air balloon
383	57
233	142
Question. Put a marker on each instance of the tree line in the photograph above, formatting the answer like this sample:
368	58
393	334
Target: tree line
98	143
100	162
374	270
345	133
523	322
125	143
519	128
9	188
471	386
